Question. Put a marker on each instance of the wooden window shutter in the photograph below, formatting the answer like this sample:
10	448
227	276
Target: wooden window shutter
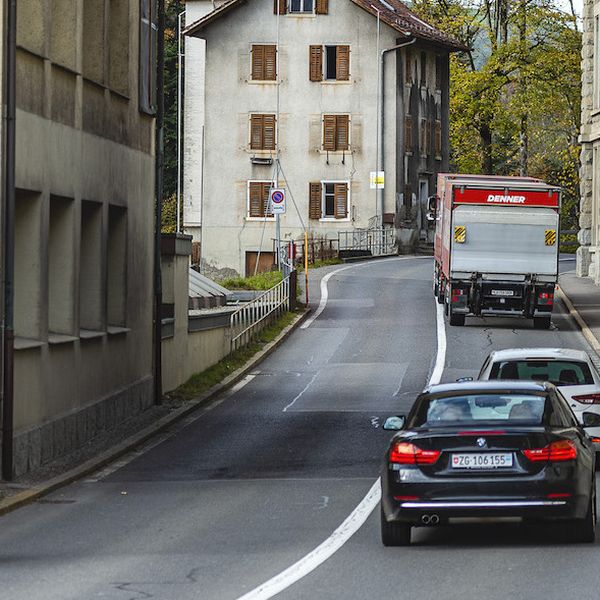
255	204
423	137
256	132
329	133
408	135
316	63
343	63
279	7
258	62
408	70
270	72
408	195
322	7
268	132
341	200
314	206
428	136
438	138
266	186
342	133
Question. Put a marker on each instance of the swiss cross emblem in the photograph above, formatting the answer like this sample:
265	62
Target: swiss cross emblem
455	460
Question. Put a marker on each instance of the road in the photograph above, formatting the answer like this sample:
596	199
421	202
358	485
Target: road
248	488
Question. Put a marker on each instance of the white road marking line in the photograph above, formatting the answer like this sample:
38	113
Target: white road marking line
302	392
114	467
321	553
357	518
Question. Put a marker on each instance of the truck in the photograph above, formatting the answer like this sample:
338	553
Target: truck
496	247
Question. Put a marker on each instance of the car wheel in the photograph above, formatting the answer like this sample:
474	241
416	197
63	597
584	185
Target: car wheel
394	533
584	530
542	322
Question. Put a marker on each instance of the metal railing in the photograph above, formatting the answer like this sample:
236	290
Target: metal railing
250	318
378	241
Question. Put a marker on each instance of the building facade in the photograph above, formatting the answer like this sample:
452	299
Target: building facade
84	221
588	259
299	81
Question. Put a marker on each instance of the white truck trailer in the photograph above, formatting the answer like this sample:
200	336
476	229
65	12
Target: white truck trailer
496	247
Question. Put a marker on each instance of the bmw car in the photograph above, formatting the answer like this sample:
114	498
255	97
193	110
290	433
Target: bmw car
488	449
571	370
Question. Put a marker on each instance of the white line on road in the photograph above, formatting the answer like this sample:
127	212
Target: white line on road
357	518
302	392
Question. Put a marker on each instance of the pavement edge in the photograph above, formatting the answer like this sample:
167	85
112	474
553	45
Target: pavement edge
585	330
32	494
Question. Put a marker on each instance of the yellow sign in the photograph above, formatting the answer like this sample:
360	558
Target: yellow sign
550	237
460	234
377	180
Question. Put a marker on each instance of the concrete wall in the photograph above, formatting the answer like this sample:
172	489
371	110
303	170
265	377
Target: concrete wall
84	232
220	96
588	260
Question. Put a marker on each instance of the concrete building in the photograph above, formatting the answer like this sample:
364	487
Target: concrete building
588	257
84	221
298	80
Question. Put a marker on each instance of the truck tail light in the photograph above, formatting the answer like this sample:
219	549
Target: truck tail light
404	453
554	452
458	295
546	298
588	398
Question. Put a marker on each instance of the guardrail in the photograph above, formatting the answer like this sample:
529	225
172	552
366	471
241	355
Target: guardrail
250	318
378	241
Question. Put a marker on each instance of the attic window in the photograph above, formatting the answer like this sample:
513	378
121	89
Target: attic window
301	6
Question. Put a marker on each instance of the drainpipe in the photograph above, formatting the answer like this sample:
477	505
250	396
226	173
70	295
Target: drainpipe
9	242
158	175
381	112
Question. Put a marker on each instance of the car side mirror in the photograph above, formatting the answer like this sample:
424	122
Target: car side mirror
463	379
394	423
590	419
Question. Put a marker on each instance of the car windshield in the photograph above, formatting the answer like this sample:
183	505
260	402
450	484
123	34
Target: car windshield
558	372
499	409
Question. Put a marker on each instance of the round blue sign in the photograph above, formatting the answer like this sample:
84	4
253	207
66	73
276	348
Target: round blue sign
277	197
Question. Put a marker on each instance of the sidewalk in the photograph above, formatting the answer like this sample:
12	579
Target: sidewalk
583	302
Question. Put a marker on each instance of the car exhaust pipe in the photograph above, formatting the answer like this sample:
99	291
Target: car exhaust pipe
425	519
434	520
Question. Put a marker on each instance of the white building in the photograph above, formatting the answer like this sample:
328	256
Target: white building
298	80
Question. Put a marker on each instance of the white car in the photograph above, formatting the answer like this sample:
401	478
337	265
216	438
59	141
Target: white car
572	371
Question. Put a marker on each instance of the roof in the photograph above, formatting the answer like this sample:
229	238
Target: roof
539	353
488	387
204	292
391	12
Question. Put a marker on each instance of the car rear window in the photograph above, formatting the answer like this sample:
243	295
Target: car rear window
499	409
558	372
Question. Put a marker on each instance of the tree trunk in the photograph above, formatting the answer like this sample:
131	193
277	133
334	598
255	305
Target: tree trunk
485	133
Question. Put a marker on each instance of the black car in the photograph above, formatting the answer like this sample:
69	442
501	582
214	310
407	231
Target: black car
488	449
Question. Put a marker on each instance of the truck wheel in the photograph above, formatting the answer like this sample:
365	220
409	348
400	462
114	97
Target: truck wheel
542	322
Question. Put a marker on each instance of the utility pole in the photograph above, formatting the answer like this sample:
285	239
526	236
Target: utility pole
9	241
179	113
158	193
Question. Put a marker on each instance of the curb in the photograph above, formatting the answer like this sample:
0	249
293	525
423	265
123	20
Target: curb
94	464
585	330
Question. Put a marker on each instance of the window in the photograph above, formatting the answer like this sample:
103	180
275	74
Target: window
408	134
328	200
90	267
336	132
424	137
258	199
262	132
301	6
116	288
337	63
118	46
264	62
147	58
559	372
438	72
438	139
423	69
596	65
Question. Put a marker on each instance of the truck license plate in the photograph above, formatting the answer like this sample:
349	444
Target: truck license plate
503	293
485	460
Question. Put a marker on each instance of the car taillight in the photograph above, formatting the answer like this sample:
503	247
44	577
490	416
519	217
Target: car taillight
553	452
588	398
403	453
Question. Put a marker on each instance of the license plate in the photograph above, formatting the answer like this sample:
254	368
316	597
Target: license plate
484	460
503	293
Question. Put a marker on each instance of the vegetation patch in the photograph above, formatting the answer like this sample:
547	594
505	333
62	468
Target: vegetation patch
321	263
260	281
201	382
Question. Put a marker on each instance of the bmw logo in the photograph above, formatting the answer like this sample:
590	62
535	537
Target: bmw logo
481	442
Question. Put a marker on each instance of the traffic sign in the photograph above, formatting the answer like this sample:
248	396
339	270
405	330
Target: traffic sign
377	180
277	200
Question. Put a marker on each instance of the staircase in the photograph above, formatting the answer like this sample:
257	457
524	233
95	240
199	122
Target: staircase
424	248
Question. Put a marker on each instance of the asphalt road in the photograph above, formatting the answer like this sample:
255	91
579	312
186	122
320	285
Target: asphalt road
256	483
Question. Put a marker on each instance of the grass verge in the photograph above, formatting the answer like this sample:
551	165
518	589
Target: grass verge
201	382
260	281
322	263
